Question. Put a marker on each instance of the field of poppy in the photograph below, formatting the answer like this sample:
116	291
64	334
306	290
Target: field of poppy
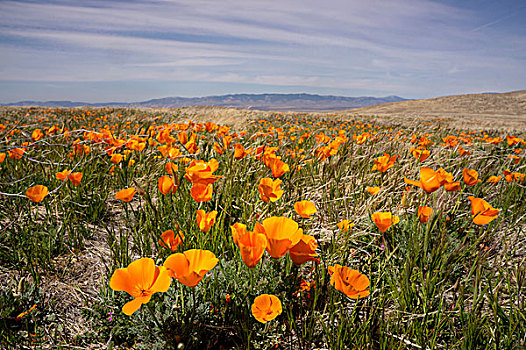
128	228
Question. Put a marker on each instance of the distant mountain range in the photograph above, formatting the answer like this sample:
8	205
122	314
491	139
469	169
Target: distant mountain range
275	102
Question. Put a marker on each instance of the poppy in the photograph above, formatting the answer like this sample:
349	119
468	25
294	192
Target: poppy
424	213
166	185
384	163
282	234
63	175
304	251
481	211
171	168
373	190
266	307
190	267
305	209
141	279
494	179
37	193
420	153
429	181
170	240
384	220
240	152
2	157
345	225
37	135
251	245
270	190
75	178
471	177
349	281
116	158
199	171
206	220
126	195
201	192
278	167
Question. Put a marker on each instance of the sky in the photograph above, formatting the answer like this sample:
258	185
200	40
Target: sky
125	51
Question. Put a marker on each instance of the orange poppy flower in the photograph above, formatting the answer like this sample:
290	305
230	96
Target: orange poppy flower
240	152
206	220
471	177
251	245
2	157
420	153
199	171
37	193
481	211
424	213
218	148
63	175
190	267
37	135
384	220
170	240
201	192
141	279
75	178
266	307
282	234
166	185
171	168
494	179
384	163
345	225
116	158
304	251
16	153
373	190
126	195
348	281
270	190
305	209
430	180
278	167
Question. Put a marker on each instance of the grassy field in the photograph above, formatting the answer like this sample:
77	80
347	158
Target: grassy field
417	239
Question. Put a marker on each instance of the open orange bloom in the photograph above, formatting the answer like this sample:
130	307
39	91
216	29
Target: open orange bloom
199	171
383	163
141	279
270	190
494	179
37	193
373	190
206	220
16	153
345	225
482	212
240	152
384	220
75	178
166	185
304	251
251	245
282	234
116	158
430	180
201	192
266	307
63	175
471	177
37	135
126	195
348	281
170	240
2	157
420	153
278	167
190	267
305	209
424	213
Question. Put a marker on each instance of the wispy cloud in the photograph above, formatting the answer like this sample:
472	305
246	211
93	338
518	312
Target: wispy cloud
412	47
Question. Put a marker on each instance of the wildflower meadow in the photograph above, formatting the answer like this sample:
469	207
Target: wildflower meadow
147	229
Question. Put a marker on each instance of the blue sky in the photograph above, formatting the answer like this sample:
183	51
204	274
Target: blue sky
101	51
